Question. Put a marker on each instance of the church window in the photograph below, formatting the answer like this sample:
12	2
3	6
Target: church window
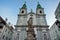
5	30
40	11
45	36
22	11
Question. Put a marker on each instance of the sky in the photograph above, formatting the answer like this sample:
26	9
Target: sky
10	9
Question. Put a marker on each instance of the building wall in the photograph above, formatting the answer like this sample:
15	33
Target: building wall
39	34
55	28
22	20
54	32
6	33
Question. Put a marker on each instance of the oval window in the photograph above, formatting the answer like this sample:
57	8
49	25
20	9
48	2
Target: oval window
40	11
22	11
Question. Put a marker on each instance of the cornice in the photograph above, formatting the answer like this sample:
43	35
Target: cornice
40	14
22	14
33	25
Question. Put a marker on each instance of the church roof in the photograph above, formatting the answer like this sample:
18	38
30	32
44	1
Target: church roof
38	6
24	6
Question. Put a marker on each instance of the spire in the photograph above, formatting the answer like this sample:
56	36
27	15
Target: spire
24	5
38	5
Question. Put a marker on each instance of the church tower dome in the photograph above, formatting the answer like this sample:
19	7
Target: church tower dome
24	6
38	6
23	9
39	9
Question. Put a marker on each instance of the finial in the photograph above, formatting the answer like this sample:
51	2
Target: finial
31	10
38	2
31	13
38	5
25	2
24	5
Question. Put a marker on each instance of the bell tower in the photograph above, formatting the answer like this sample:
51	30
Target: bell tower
40	16
22	16
39	9
21	23
42	27
23	10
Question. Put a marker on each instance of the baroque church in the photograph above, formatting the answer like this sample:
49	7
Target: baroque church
32	25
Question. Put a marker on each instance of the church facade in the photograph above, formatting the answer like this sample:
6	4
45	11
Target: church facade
39	23
31	26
